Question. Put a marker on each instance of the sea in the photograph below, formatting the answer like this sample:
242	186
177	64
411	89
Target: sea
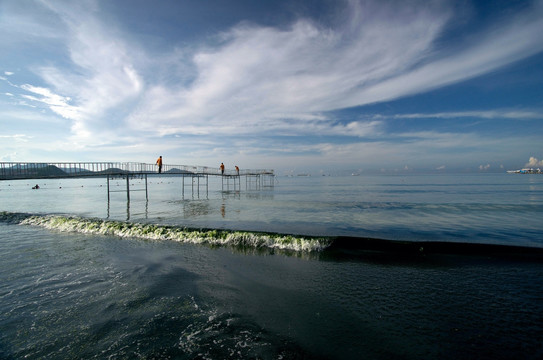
446	266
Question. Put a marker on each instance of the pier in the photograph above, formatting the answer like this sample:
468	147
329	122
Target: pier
199	175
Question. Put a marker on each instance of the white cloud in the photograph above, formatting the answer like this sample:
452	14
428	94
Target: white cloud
16	136
58	104
499	46
534	162
102	78
8	73
491	114
258	73
29	116
356	128
21	137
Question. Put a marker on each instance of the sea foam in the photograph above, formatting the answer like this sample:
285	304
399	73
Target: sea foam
156	232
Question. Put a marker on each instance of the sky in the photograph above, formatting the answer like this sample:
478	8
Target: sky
298	86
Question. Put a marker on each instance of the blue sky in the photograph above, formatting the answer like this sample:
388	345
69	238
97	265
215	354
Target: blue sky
319	86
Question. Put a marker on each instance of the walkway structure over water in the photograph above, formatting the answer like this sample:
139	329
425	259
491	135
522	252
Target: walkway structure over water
231	179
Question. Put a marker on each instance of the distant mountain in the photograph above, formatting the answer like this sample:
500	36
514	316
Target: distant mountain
110	171
50	170
34	170
43	170
28	166
78	171
177	171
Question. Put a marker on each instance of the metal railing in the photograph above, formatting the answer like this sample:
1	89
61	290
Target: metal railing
40	170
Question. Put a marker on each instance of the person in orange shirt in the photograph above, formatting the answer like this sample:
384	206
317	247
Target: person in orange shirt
222	169
237	170
159	163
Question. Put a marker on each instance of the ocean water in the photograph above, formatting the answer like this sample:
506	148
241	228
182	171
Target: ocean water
260	272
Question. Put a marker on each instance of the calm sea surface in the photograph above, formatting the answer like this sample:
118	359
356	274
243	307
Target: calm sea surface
74	293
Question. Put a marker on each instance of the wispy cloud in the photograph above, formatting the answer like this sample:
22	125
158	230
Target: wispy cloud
257	73
101	77
492	114
58	104
500	45
19	137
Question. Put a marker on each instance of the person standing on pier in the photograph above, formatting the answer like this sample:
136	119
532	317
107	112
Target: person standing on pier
159	163
222	169
237	170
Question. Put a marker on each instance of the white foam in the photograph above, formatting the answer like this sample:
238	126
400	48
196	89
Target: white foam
162	232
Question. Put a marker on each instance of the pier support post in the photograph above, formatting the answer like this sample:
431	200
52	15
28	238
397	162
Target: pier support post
146	192
128	188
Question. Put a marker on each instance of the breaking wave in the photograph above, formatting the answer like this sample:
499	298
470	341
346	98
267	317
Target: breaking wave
214	237
257	242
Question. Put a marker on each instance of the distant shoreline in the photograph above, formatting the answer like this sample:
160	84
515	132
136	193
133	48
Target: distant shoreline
525	171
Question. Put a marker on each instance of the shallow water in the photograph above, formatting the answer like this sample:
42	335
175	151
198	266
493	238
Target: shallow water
92	295
490	208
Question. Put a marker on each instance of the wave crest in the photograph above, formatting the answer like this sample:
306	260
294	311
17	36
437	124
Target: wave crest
163	232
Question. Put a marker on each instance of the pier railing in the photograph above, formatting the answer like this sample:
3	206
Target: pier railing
40	170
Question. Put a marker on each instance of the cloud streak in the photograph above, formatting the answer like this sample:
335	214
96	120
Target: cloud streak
101	76
493	114
257	73
496	48
58	104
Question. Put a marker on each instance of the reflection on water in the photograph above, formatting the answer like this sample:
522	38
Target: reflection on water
268	195
196	208
146	211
